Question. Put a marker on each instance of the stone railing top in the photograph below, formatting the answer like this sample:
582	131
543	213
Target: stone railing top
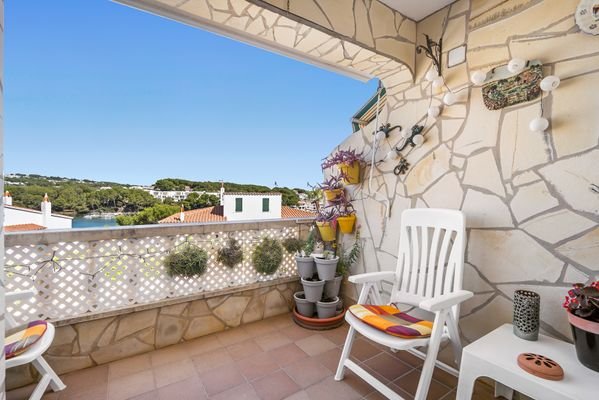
141	231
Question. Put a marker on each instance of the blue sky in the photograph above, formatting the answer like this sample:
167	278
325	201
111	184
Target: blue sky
97	90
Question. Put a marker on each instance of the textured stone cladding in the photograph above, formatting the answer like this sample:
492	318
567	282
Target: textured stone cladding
369	23
83	344
532	218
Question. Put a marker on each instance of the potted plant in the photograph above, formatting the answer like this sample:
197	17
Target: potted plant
327	307
267	256
326	221
346	214
303	305
332	188
348	162
188	262
346	260
231	254
313	288
582	304
303	254
326	266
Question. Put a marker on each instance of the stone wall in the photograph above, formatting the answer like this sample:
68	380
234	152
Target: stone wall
93	340
533	221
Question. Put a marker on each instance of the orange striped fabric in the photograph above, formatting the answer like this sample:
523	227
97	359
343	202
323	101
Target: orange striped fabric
391	320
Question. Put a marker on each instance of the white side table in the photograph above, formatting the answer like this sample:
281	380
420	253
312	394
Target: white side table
495	356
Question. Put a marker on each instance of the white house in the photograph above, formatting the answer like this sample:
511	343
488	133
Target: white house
251	206
27	219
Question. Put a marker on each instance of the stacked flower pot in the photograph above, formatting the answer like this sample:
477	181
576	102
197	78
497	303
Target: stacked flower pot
321	284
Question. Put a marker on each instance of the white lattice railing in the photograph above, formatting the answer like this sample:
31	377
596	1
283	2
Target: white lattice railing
79	271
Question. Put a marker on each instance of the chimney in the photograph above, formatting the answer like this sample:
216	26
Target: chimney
182	214
46	211
222	193
7	199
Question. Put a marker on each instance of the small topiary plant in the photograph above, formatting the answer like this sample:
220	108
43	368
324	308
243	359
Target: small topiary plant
293	245
267	256
231	254
188	262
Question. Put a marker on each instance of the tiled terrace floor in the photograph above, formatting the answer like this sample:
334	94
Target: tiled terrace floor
269	360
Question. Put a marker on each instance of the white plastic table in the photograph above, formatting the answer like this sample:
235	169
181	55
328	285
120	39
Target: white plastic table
495	356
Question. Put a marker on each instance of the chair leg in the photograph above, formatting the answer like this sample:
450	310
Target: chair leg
454	337
46	370
349	341
431	356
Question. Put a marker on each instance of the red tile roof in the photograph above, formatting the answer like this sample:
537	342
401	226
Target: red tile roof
23	227
215	214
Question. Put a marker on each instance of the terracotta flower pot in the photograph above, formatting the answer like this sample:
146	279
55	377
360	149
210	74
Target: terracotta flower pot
346	224
331	195
586	341
350	172
328	231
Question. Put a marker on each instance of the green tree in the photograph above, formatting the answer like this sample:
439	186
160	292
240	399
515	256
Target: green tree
150	215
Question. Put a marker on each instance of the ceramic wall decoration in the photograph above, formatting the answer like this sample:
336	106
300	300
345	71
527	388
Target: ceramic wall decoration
587	16
504	92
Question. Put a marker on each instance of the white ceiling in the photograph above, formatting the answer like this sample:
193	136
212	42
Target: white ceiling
417	9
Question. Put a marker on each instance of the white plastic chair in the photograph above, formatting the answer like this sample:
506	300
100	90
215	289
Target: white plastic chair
33	355
429	276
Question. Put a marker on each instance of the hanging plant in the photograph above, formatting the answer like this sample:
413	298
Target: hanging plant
189	261
268	256
231	254
348	162
293	245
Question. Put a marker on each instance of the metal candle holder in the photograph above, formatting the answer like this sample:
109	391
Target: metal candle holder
527	305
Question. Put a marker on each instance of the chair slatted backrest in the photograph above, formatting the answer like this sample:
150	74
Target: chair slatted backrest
430	261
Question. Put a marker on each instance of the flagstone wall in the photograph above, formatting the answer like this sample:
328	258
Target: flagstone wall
533	220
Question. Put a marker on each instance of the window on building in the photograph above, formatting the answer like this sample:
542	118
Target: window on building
265	205
238	204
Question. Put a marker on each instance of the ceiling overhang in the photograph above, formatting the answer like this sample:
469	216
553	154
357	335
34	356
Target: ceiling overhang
417	10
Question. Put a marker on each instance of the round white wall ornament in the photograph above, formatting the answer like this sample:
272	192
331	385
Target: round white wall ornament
587	16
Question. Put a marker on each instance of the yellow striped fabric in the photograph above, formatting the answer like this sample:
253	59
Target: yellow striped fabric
391	320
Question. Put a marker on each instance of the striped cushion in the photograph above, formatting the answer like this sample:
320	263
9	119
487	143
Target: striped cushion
392	321
18	340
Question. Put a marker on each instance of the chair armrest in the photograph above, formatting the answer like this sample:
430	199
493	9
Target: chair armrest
370	277
445	301
18	296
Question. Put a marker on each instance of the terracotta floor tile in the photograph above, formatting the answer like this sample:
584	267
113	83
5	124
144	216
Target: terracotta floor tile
329	389
127	366
307	372
168	355
445	378
275	386
220	379
406	357
153	395
241	392
98	392
330	359
363	350
337	335
201	345
357	383
483	391
315	344
301	395
281	321
287	354
243	349
257	365
167	374
86	380
233	336
272	341
261	327
387	366
188	389
131	385
295	332
409	383
208	361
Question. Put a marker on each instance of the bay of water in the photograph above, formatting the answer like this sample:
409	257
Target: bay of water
93	222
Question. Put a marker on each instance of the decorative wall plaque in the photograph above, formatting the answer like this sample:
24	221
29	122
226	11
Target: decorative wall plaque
587	16
514	89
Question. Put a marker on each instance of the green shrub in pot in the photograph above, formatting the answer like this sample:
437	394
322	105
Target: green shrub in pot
188	261
231	254
267	256
293	245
